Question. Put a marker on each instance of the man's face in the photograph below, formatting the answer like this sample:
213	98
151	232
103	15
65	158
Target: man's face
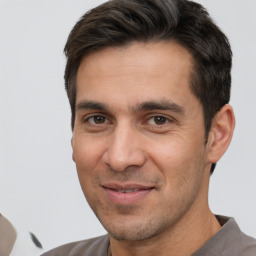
138	140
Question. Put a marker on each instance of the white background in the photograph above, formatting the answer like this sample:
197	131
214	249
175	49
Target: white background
38	183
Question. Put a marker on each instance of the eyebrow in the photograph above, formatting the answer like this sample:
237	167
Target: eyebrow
141	107
159	105
91	105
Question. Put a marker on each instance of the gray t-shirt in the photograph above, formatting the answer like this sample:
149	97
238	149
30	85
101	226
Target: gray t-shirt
228	241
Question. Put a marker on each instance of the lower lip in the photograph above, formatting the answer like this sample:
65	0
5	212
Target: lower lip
126	198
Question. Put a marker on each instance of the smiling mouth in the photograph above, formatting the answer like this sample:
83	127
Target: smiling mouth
126	190
126	195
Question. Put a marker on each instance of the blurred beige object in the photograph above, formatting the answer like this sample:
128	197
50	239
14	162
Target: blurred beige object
7	236
16	241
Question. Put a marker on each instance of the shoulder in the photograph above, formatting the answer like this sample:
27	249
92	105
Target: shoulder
228	241
233	241
97	246
239	242
247	245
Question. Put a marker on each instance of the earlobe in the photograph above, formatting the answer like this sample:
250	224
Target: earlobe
221	133
73	155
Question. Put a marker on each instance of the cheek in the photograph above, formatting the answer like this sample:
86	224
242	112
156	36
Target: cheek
178	160
182	169
86	150
87	155
172	152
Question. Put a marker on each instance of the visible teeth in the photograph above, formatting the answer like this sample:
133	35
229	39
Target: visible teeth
127	190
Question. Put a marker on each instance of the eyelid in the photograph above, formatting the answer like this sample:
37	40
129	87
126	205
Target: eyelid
92	120
152	121
168	118
85	118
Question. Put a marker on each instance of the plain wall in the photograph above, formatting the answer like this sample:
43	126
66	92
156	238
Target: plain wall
38	183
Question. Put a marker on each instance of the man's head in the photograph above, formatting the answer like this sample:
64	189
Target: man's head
148	82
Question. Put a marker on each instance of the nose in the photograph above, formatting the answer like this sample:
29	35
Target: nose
124	149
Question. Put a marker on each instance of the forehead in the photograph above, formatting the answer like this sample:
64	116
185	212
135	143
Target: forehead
136	71
153	57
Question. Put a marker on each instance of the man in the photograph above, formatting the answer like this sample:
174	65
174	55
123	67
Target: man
149	85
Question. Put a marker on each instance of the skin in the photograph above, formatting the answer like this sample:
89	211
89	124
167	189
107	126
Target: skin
138	125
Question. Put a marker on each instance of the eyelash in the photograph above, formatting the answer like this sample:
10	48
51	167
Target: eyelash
94	119
164	118
150	121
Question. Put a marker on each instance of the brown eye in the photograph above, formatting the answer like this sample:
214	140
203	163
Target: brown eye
160	120
99	119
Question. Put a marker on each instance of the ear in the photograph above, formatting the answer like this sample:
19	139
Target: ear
221	133
72	145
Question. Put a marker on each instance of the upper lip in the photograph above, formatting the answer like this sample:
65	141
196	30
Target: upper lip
115	186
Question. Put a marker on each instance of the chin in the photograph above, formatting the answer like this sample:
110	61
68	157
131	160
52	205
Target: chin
136	231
